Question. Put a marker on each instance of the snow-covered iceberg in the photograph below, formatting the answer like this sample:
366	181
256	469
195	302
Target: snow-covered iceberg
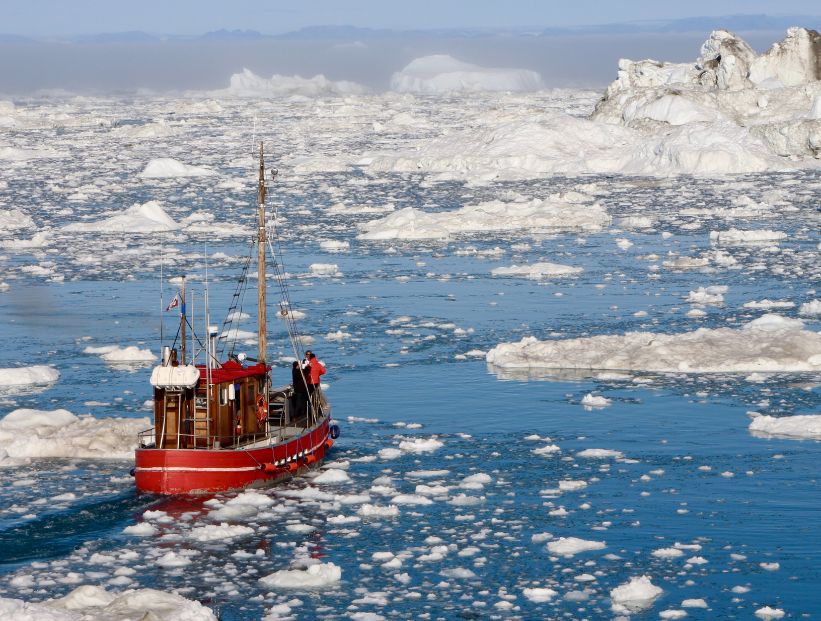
441	73
163	167
770	343
248	84
148	217
768	100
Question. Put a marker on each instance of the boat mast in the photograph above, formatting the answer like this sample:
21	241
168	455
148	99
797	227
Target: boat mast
261	239
182	322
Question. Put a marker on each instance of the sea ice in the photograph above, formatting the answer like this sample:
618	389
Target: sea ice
767	613
163	167
421	445
441	73
537	271
596	453
147	217
590	401
28	376
332	476
93	602
315	576
798	426
27	434
248	84
539	594
635	595
558	213
570	546
769	343
219	532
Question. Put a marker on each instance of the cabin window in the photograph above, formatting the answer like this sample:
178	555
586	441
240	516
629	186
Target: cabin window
223	396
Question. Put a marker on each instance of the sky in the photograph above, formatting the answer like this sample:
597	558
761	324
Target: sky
40	18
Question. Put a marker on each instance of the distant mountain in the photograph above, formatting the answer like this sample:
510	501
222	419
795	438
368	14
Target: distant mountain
131	36
10	38
339	32
234	35
740	23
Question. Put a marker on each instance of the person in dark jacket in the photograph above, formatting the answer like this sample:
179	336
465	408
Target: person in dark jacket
300	382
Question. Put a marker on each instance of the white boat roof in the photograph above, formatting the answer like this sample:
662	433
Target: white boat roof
175	377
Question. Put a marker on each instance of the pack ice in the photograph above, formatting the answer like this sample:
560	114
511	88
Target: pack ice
729	112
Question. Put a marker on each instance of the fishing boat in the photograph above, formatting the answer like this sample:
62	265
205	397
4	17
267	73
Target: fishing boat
221	424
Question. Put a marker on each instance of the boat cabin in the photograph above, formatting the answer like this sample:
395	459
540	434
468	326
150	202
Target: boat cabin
195	407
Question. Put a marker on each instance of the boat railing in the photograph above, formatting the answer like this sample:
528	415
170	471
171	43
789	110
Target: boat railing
275	430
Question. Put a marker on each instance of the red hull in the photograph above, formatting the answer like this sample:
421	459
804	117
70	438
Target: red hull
205	471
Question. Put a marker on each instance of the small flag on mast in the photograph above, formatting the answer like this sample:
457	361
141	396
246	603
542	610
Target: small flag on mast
174	303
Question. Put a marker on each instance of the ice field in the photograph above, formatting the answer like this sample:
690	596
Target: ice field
573	346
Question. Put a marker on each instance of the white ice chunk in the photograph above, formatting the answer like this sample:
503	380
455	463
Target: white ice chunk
163	167
147	217
799	426
570	546
636	595
315	576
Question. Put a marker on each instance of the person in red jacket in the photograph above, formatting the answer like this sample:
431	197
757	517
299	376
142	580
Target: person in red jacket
317	369
314	371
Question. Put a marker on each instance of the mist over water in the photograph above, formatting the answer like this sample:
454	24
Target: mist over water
101	68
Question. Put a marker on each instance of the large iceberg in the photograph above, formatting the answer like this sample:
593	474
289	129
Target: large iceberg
769	343
441	73
769	100
249	84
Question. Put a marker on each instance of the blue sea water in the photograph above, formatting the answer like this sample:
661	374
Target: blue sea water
689	472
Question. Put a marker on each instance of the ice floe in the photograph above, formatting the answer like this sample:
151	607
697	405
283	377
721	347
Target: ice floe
27	434
558	213
165	167
315	576
537	271
35	375
147	217
797	426
93	602
570	546
769	343
634	596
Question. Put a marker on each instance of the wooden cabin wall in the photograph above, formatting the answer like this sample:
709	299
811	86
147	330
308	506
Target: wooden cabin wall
249	405
159	396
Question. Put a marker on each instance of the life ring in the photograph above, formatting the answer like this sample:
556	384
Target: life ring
262	409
